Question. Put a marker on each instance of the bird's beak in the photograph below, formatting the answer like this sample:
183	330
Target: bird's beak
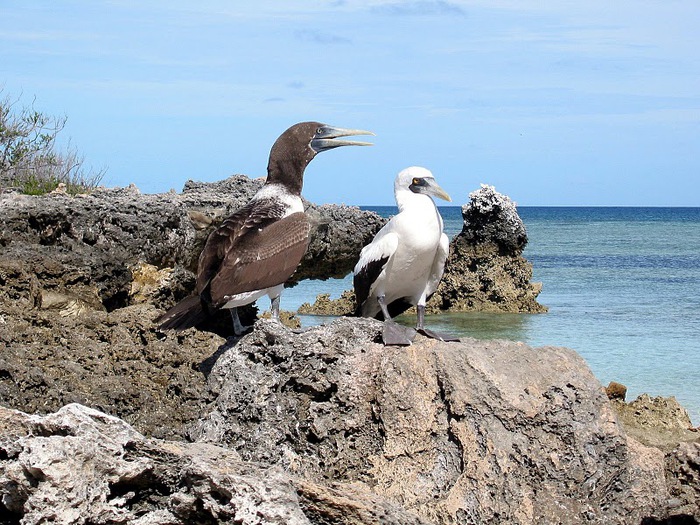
433	188
325	138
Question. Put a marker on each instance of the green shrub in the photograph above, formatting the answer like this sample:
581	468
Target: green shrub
29	156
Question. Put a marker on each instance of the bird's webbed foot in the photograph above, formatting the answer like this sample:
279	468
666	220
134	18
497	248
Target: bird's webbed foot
438	335
396	334
421	329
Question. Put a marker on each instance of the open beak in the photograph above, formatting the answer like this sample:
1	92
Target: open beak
326	138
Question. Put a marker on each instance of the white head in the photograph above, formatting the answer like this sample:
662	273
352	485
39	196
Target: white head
416	183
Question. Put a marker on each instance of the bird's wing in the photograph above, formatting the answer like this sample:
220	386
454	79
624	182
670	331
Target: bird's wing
228	234
262	257
438	267
373	259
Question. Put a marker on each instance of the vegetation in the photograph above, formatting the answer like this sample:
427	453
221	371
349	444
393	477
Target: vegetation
30	158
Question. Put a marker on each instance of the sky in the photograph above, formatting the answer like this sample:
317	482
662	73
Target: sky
553	103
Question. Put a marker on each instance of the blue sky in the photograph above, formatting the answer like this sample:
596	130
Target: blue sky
553	103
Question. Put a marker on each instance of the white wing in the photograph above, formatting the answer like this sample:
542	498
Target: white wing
373	259
438	267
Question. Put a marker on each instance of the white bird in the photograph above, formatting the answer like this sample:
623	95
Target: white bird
404	263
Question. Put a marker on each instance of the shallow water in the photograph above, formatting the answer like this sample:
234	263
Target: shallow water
622	286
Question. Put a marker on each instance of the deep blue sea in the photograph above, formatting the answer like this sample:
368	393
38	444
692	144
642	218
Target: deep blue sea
622	286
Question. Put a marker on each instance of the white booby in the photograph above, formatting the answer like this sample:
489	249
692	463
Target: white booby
404	263
255	250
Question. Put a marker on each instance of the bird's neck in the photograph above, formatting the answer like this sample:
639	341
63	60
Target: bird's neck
288	172
407	200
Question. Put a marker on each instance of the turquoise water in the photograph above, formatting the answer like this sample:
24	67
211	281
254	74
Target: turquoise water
622	286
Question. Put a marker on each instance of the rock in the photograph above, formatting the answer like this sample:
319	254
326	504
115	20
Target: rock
116	362
616	391
683	479
477	432
492	218
485	271
324	305
656	421
336	244
80	465
440	433
88	247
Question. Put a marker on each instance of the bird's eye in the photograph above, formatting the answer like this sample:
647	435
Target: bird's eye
319	131
416	181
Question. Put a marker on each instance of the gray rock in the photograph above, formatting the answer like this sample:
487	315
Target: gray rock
80	465
486	271
491	217
87	246
443	433
471	432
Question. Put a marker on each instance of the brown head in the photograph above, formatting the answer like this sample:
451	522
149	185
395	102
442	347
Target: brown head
296	147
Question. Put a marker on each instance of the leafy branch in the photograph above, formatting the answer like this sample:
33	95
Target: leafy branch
29	156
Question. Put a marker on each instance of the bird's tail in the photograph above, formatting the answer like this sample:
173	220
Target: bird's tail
187	313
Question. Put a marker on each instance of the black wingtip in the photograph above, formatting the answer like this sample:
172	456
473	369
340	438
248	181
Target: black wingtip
186	314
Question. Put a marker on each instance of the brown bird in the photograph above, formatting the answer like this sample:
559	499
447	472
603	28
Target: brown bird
255	250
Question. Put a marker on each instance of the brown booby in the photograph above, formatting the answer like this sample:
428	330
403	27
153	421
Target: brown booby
404	263
255	250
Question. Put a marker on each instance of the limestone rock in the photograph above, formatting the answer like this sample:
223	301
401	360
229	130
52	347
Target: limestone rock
89	246
657	421
324	305
486	271
80	465
491	217
471	432
116	362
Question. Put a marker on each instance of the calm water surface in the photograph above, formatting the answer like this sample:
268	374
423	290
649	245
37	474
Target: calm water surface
622	286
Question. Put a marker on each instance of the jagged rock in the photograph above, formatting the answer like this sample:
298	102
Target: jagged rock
683	480
492	218
80	465
436	433
486	271
116	362
88	247
656	421
324	305
471	432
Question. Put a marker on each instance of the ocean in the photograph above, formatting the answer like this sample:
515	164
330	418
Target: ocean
622	286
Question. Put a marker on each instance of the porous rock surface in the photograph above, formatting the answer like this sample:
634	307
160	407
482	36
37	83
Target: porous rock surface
90	251
486	270
471	432
116	362
329	426
80	465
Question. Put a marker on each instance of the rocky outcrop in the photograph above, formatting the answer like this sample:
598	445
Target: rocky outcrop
486	270
93	251
83	466
325	427
331	427
116	362
659	422
482	432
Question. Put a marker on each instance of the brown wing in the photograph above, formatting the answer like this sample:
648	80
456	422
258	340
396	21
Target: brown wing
264	256
224	239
